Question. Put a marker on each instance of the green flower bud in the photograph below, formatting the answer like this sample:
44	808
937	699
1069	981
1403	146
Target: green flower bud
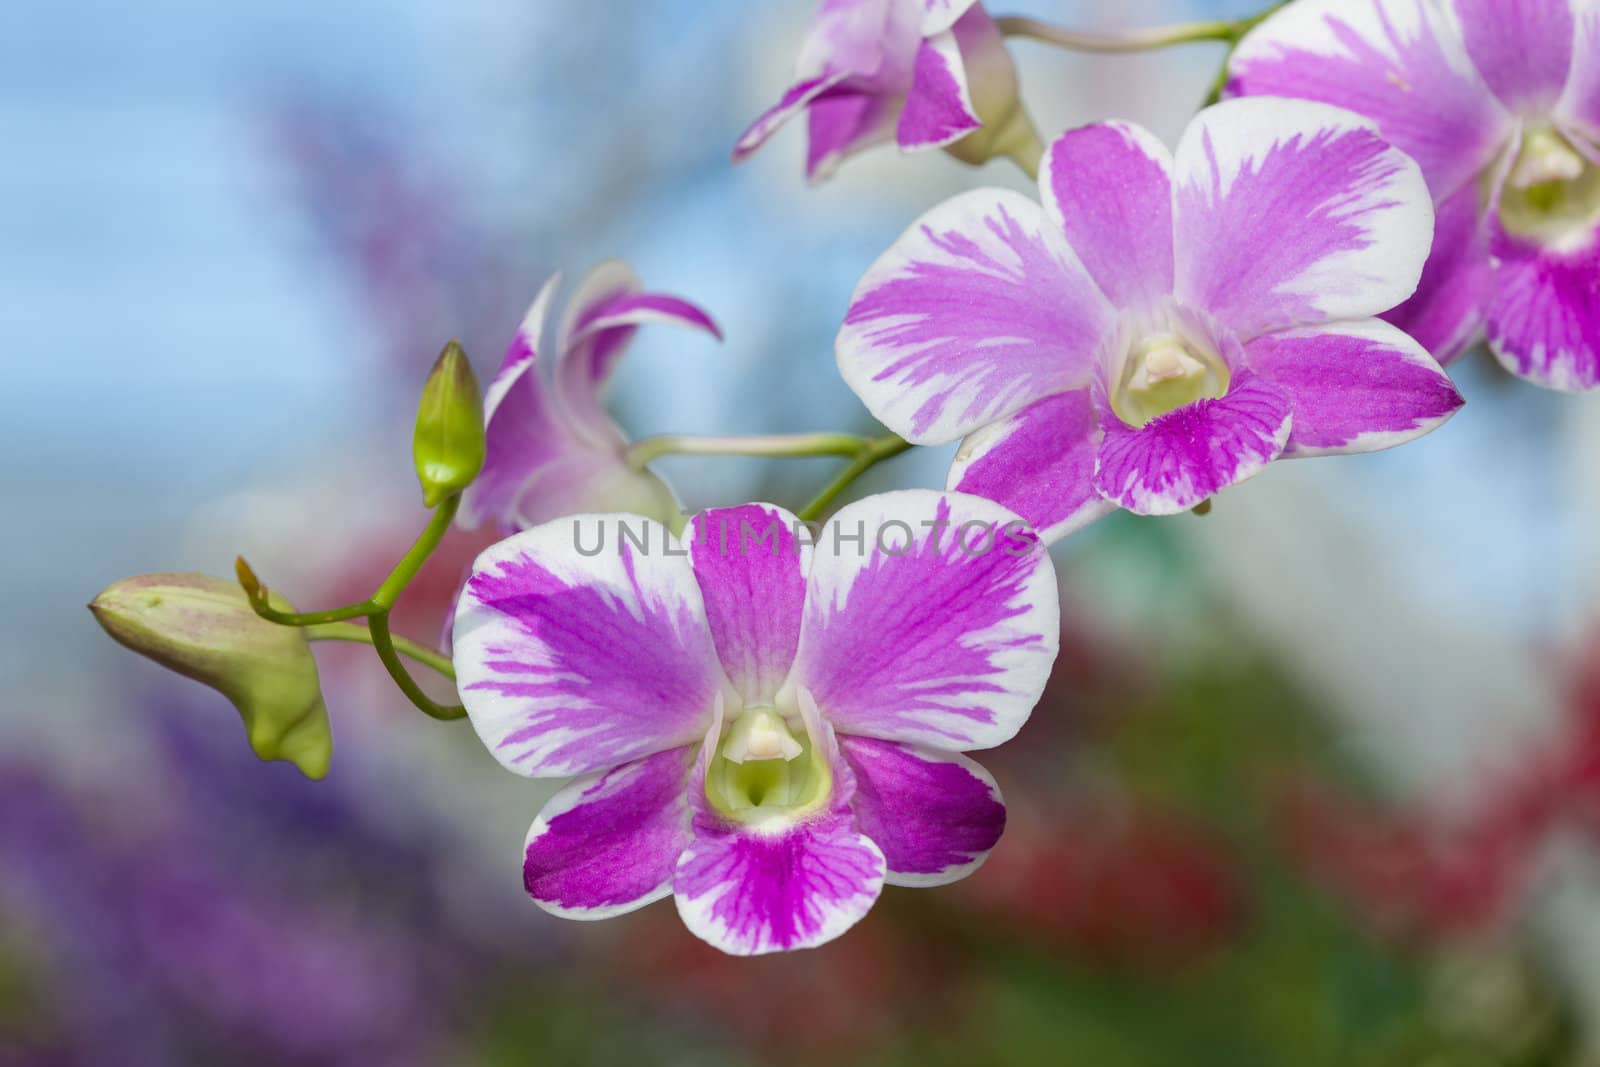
204	628
448	445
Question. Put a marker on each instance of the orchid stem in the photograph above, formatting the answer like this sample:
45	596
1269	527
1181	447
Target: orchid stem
1125	41
376	611
782	446
876	451
349	631
384	643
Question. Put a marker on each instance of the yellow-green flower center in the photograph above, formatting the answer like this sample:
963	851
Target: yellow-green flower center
1162	373
766	767
1552	194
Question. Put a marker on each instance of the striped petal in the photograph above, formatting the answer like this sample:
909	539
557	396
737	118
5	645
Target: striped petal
931	618
1446	313
1355	386
1038	463
601	319
1291	213
975	312
1523	48
582	644
1172	463
609	843
524	433
751	567
1544	319
1109	186
938	108
800	884
935	815
1400	63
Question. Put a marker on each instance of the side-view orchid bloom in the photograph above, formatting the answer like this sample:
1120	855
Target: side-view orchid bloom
765	728
1164	326
924	73
1499	101
552	449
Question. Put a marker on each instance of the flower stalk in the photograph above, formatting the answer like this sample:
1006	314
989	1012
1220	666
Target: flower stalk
321	625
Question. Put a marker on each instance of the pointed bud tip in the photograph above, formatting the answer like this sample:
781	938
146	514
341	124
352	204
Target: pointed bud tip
449	444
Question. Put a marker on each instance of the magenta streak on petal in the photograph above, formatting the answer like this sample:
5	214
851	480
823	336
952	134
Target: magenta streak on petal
749	567
940	15
791	104
524	433
771	893
1283	213
842	123
1000	330
612	839
937	110
607	685
1523	48
1354	386
920	638
750	892
1110	185
1429	107
1544	320
1040	463
1446	314
1176	461
927	811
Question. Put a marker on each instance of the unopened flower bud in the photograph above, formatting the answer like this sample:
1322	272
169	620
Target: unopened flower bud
448	445
204	628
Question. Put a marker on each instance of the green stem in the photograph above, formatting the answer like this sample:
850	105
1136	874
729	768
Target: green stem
349	631
383	642
876	451
376	610
1125	41
786	446
418	554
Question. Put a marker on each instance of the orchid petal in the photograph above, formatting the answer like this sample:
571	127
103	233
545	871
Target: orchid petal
1447	311
940	15
1523	48
1174	462
1544	319
975	312
608	843
1292	213
750	891
1580	101
797	99
751	566
931	618
844	123
1109	186
934	814
1354	386
522	428
570	658
1401	63
938	109
1039	463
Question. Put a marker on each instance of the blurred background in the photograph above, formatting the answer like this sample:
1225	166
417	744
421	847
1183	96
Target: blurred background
1317	781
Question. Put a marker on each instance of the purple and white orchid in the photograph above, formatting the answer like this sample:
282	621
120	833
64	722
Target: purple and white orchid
1163	326
1499	101
766	728
924	73
552	448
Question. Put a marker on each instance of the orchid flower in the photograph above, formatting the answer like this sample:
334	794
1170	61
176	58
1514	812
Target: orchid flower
925	73
1164	326
552	449
1499	101
764	728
